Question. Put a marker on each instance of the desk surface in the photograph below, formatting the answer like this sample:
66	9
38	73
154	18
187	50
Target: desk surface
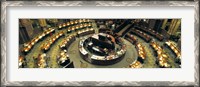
97	57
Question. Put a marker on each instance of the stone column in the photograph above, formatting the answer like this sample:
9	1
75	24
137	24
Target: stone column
42	23
27	24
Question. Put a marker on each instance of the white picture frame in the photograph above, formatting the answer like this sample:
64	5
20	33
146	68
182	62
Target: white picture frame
4	38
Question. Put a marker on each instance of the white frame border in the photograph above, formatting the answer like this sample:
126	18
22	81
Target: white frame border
5	4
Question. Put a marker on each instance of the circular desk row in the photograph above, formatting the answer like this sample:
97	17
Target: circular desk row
40	60
175	50
45	47
29	45
162	57
73	22
100	60
140	50
68	40
151	32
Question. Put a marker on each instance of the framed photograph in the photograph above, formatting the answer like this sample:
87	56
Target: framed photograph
100	43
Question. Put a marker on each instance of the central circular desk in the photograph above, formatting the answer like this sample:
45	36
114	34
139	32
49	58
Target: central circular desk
102	49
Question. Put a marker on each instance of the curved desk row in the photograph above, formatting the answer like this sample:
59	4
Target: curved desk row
49	42
67	41
162	59
141	56
104	30
22	62
175	50
30	44
151	32
42	61
85	32
130	38
63	58
73	22
141	52
124	30
101	60
135	64
120	27
139	33
78	27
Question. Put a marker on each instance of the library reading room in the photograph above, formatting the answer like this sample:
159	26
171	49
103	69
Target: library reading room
99	43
